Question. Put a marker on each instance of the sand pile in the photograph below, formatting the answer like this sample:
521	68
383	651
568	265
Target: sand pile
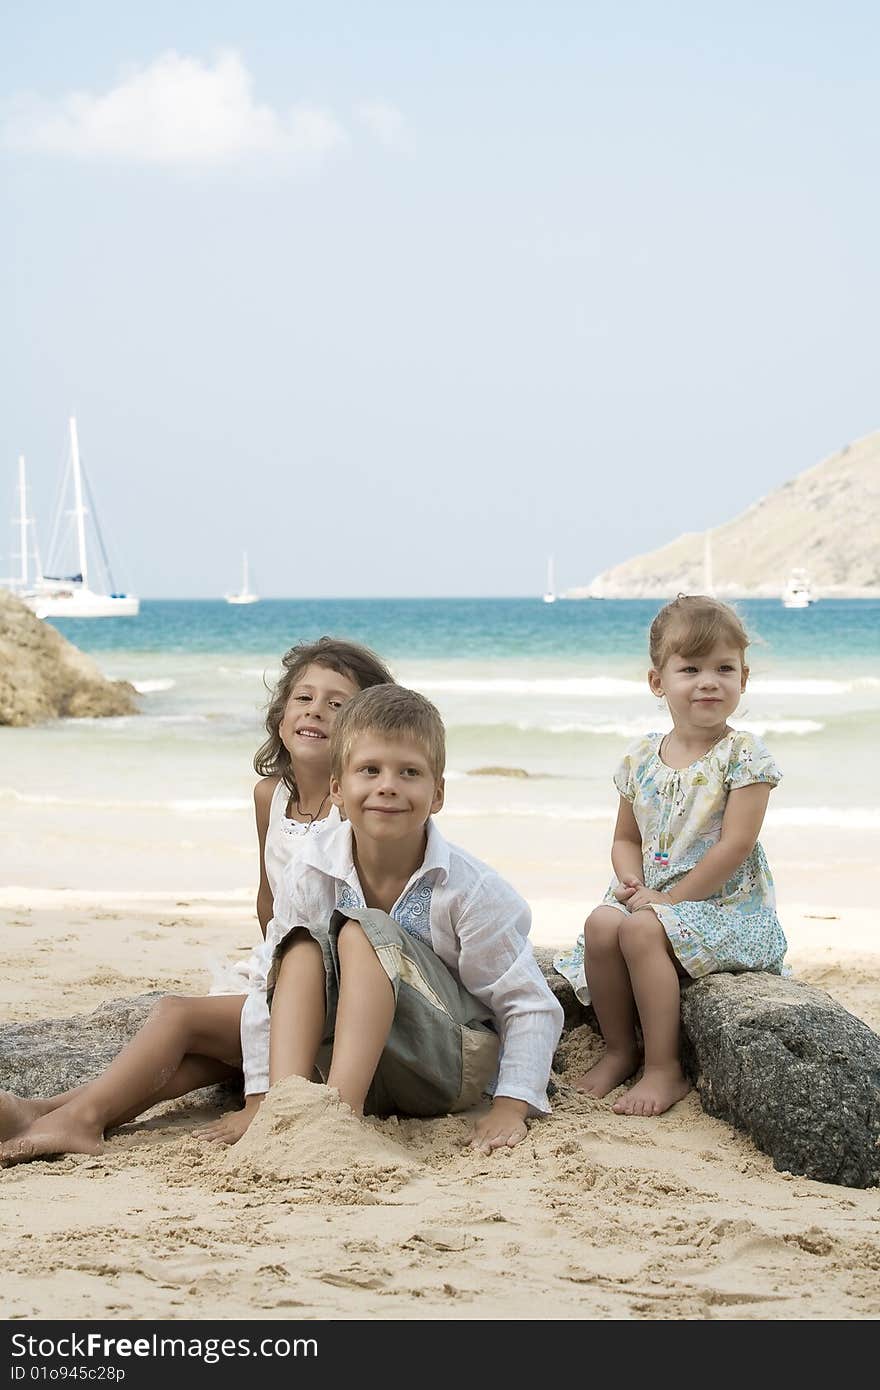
305	1132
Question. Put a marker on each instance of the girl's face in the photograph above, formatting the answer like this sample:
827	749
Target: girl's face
310	713
701	691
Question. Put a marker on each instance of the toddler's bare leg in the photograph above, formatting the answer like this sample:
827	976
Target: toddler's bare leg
185	1043
612	996
298	1010
363	1018
654	976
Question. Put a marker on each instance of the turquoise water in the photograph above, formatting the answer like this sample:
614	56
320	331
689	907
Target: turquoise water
491	630
554	690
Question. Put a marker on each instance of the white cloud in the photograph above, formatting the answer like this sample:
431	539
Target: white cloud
387	124
175	111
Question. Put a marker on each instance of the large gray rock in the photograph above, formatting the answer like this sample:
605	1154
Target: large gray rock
783	1062
56	1054
792	1068
43	676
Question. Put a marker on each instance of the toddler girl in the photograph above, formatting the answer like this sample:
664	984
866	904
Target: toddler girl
692	892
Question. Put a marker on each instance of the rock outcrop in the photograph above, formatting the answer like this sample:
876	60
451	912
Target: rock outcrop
783	1062
825	521
777	1059
43	676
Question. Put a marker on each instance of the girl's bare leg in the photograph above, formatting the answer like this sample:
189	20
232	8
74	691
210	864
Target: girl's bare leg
654	976
18	1113
612	996
298	1010
363	1017
185	1043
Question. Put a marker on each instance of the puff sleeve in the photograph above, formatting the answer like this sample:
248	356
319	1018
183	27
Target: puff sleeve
750	761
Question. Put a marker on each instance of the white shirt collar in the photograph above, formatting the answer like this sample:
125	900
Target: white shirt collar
332	853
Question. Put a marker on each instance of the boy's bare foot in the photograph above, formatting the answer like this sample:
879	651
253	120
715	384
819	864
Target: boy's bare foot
613	1069
230	1127
16	1114
60	1132
655	1092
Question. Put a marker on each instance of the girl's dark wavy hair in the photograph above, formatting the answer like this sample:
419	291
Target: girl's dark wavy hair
349	659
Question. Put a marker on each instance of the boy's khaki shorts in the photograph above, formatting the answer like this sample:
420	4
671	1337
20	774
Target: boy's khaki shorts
442	1051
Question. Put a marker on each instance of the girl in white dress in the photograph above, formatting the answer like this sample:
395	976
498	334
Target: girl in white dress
187	1043
692	891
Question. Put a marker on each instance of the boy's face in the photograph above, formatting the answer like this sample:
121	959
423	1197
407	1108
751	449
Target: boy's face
387	788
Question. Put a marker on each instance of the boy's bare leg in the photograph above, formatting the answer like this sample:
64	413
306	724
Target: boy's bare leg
185	1043
612	997
657	993
298	1010
364	1017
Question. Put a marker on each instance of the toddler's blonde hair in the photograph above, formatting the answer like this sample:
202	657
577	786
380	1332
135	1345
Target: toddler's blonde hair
692	625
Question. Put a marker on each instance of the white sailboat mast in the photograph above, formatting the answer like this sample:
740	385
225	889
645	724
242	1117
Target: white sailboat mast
244	572
79	509
22	520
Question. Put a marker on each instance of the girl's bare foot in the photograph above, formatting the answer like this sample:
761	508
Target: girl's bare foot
16	1114
62	1131
613	1069
655	1092
230	1127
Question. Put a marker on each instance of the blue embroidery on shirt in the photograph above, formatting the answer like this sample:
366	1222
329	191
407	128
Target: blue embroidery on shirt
413	912
347	898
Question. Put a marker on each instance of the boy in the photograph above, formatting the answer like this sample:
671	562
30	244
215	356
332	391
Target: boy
400	960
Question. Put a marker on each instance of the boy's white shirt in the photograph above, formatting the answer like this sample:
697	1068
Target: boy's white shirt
479	929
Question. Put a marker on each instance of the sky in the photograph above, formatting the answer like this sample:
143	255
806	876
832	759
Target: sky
404	298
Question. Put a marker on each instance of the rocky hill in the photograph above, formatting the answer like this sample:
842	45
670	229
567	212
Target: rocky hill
43	676
825	521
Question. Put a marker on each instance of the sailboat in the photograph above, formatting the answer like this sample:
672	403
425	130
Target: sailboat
20	584
245	595
70	595
708	581
550	591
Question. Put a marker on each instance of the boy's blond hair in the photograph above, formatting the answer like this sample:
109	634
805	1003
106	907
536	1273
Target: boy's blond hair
692	625
393	711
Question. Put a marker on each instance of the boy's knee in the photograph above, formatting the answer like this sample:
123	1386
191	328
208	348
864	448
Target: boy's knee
351	934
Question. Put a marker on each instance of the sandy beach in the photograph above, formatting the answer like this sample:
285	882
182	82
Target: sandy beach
593	1216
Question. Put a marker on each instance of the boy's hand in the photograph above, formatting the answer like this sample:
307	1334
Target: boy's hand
628	885
504	1126
643	897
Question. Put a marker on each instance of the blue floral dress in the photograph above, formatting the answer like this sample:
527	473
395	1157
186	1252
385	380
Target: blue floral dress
679	813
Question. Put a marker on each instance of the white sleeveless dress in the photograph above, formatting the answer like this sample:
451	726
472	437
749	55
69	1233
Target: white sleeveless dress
285	841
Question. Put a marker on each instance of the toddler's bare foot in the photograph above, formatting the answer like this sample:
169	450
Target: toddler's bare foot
16	1114
614	1068
230	1127
655	1092
60	1132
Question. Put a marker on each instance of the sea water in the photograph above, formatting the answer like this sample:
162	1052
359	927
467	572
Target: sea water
552	691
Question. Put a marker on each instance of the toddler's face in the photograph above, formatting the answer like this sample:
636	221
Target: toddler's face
702	691
311	710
